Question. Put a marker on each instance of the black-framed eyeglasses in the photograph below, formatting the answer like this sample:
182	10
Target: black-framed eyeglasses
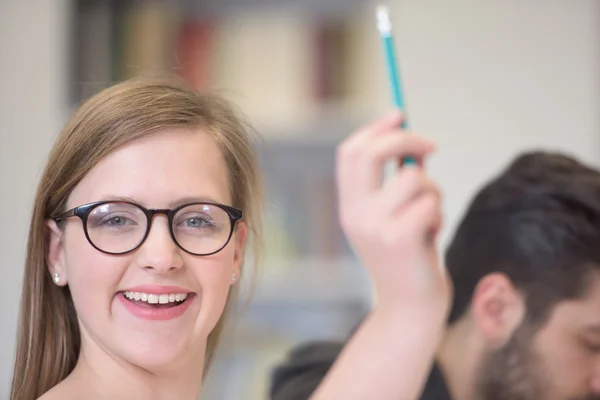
120	227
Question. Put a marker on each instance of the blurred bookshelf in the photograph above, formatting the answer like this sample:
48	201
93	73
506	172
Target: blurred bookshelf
305	74
288	64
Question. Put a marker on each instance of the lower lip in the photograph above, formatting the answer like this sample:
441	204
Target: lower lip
156	314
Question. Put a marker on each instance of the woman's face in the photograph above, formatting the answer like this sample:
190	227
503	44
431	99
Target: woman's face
153	307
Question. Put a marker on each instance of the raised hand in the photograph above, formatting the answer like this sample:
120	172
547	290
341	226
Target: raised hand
392	226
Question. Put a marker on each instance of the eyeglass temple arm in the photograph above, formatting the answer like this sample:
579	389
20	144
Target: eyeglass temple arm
65	215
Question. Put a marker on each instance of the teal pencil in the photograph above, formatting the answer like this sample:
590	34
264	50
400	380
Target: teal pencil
384	26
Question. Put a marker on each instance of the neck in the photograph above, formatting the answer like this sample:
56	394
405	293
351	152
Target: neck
458	358
99	374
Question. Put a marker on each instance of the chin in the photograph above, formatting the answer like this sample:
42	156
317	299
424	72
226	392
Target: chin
159	355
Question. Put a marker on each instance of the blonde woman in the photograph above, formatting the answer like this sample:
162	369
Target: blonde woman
141	220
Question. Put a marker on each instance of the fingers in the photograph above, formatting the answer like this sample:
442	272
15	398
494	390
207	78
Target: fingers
404	186
418	221
394	145
406	204
360	168
356	141
411	202
391	120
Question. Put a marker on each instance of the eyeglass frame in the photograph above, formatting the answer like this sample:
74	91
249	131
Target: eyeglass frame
83	211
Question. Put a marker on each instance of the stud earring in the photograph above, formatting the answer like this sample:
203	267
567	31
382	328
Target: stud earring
233	277
56	277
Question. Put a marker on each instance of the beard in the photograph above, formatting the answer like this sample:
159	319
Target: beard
516	372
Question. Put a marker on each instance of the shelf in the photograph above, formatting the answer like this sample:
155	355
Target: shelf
330	124
310	298
320	7
303	73
312	281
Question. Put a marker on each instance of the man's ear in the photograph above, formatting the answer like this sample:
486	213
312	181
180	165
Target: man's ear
54	258
240	237
498	309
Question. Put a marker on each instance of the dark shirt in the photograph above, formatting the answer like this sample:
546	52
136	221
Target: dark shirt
435	388
300	375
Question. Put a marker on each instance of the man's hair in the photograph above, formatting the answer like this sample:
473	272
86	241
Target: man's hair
538	222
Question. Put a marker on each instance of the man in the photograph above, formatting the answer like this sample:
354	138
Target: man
525	321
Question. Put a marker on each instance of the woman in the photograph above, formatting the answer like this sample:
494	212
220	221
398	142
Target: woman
141	220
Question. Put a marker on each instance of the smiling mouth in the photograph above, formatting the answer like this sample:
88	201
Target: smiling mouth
149	300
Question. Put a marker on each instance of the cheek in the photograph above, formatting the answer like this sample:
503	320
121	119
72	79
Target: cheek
214	276
566	363
93	277
214	271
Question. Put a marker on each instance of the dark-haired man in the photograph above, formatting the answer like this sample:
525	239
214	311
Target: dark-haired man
525	322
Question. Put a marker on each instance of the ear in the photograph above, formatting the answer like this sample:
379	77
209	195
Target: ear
498	308
240	235
54	258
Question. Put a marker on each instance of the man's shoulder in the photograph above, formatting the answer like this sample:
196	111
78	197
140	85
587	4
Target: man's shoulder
436	388
298	376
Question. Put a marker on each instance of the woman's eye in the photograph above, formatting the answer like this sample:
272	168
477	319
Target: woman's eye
196	222
116	221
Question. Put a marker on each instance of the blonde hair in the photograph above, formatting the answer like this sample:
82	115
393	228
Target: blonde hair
48	333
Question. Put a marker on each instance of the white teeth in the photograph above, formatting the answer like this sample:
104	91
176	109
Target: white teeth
155	298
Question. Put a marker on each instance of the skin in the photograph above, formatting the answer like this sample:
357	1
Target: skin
123	356
494	353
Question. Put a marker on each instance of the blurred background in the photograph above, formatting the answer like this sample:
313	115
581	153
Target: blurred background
486	80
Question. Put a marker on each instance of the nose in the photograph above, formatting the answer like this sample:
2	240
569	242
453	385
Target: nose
159	252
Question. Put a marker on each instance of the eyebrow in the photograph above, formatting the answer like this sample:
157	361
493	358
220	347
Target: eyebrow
172	204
